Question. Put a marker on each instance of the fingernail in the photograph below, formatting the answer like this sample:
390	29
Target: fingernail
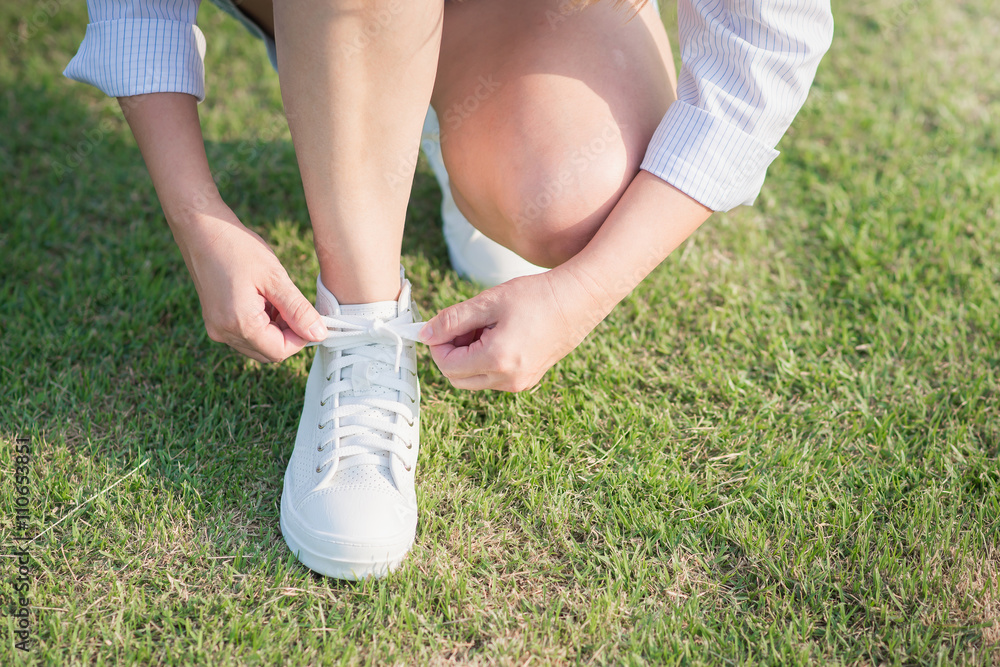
318	331
426	333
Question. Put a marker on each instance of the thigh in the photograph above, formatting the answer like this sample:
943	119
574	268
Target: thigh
525	86
260	12
620	54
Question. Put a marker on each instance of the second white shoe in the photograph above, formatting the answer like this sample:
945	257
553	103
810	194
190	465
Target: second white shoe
473	255
349	508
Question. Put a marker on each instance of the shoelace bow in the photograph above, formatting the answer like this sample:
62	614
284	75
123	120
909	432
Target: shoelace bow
360	440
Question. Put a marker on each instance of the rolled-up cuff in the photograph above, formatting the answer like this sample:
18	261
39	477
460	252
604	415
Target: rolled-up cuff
707	158
138	56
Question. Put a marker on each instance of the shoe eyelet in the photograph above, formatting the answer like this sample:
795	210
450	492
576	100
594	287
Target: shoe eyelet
319	469
329	377
323	403
322	426
319	449
409	446
407	468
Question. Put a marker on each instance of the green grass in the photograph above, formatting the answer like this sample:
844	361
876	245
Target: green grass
781	449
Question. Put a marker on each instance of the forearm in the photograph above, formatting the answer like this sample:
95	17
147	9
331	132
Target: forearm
240	282
649	222
168	132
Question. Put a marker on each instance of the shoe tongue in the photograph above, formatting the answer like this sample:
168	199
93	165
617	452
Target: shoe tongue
327	304
383	310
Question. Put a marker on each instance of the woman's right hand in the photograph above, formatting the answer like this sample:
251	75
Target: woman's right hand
247	299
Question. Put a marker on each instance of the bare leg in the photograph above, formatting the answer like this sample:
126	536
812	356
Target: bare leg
261	11
356	79
546	114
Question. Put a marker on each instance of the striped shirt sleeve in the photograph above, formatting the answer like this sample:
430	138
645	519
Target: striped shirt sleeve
142	46
746	69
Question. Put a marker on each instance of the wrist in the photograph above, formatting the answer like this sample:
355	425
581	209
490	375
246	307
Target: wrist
648	223
575	283
193	206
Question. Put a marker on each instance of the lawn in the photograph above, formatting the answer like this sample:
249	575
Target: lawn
783	448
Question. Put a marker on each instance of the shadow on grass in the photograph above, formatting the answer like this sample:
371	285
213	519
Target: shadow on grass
104	349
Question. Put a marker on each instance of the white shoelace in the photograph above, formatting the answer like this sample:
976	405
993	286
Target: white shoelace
358	437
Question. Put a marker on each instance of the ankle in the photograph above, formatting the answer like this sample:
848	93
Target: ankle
355	289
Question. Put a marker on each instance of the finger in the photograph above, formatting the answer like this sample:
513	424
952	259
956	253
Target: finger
277	344
249	352
467	339
280	322
462	318
462	361
295	309
267	339
293	341
474	383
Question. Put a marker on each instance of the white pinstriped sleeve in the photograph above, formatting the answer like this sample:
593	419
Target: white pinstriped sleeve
746	68
142	46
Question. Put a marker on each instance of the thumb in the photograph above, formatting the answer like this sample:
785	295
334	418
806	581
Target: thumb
462	318
295	309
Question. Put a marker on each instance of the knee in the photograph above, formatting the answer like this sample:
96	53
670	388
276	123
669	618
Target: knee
545	204
553	209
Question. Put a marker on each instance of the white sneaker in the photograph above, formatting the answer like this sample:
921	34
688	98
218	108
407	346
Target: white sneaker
473	255
348	508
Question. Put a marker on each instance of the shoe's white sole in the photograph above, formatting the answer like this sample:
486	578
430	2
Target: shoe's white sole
338	559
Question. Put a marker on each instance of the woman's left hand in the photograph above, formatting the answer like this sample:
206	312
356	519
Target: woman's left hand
508	336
